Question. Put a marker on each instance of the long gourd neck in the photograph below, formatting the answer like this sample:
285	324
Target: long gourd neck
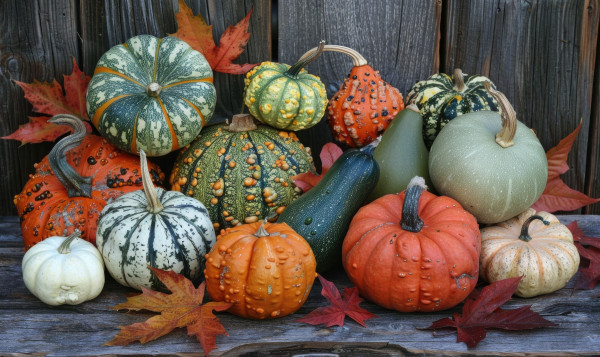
305	60
357	59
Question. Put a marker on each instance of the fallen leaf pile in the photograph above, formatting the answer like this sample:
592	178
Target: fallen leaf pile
182	308
482	311
340	307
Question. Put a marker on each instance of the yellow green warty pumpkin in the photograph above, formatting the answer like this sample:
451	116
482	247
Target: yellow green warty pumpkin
241	172
285	97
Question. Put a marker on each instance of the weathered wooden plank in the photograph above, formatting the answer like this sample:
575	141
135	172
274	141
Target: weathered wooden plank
37	41
398	38
28	326
541	54
592	186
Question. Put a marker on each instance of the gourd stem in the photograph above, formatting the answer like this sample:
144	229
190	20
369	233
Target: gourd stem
357	59
410	209
154	205
459	79
241	122
413	107
262	232
305	60
525	228
63	248
153	89
370	149
505	137
75	184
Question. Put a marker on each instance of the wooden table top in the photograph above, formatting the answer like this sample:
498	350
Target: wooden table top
28	326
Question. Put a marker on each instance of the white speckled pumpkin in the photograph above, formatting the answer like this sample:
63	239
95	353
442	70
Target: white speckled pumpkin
150	93
157	228
63	270
533	245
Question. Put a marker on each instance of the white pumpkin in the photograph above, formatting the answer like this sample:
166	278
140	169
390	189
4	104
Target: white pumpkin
61	270
533	245
154	228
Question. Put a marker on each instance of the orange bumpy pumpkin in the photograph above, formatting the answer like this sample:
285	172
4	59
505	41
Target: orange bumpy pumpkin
72	184
365	104
413	251
265	270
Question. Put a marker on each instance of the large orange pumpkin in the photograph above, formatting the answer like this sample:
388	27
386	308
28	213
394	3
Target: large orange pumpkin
73	183
413	251
265	270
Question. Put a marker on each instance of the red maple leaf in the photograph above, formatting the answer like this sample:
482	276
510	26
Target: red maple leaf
484	312
589	251
329	153
49	98
182	308
557	196
198	34
341	306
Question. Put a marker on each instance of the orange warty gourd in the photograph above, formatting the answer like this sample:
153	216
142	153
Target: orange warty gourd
365	104
73	183
265	270
413	251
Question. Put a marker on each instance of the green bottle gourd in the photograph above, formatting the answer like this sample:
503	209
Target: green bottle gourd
401	154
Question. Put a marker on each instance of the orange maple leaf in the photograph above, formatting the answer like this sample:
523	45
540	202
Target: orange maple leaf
198	34
557	196
49	98
182	308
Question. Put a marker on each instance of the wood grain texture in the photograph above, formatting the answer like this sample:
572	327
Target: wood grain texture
398	38
37	41
592	184
541	54
28	326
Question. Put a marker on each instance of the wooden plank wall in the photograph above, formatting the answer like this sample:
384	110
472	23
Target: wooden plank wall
541	53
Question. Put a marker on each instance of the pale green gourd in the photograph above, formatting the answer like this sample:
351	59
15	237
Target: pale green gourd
493	165
401	154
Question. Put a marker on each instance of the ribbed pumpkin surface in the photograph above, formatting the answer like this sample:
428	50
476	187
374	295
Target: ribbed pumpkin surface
241	177
131	238
127	112
439	101
262	276
283	101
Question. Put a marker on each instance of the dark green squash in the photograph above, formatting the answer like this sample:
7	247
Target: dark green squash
323	214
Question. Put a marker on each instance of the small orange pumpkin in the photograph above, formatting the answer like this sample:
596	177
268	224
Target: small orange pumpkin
265	270
413	251
365	104
72	184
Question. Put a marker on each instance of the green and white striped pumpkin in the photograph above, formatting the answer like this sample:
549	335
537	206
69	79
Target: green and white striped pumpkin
151	93
154	228
441	98
241	172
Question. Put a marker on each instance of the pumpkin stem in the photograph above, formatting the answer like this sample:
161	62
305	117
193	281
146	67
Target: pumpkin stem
509	118
525	237
154	205
410	209
75	184
262	232
153	89
357	59
63	248
459	79
241	122
305	60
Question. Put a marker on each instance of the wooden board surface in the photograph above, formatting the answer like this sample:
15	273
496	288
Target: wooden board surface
542	53
28	326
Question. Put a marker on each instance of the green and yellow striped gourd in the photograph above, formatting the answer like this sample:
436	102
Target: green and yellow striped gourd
150	93
241	172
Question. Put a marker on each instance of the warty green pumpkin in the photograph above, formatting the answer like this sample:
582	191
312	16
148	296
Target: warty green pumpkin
242	171
492	164
441	98
150	93
286	97
154	228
